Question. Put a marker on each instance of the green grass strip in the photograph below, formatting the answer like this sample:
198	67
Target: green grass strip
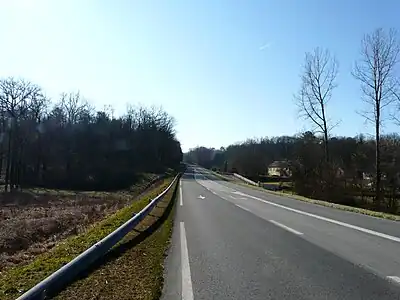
17	280
363	211
133	269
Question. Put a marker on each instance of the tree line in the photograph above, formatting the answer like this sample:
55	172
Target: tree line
68	144
316	156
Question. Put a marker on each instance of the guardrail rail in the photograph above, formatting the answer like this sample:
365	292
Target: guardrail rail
245	179
53	283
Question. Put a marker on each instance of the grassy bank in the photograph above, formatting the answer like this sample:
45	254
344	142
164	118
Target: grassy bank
18	279
133	269
34	220
363	211
290	194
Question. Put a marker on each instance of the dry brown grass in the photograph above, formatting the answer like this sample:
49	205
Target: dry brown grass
134	268
33	221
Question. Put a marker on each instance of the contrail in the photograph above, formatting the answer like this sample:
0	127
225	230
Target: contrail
267	45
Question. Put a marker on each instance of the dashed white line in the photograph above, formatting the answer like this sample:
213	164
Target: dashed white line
242	207
286	227
395	279
238	198
180	194
369	231
187	289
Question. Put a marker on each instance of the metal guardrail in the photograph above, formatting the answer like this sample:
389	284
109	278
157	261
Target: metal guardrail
67	273
245	179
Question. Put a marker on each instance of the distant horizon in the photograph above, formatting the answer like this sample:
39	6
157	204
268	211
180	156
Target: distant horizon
226	71
369	136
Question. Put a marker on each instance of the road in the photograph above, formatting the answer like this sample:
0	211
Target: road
234	242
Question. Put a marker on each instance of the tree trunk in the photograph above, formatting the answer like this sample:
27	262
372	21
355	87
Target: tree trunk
1	159
378	194
325	132
19	165
13	169
8	165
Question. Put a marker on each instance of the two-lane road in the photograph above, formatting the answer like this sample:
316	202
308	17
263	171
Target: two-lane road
232	242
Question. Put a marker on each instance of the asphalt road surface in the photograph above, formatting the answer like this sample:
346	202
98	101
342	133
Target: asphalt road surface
234	242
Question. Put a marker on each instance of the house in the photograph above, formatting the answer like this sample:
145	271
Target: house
279	168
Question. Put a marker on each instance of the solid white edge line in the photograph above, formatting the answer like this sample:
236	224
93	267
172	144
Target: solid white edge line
187	289
286	227
395	279
369	231
244	208
180	194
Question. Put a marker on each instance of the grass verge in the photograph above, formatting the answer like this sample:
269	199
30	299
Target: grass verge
134	268
16	280
278	183
363	211
34	220
216	174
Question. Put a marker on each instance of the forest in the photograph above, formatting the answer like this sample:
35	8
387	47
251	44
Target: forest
66	143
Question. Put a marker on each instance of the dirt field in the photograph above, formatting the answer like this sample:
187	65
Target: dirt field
34	220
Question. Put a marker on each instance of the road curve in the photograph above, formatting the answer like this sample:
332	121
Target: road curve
233	242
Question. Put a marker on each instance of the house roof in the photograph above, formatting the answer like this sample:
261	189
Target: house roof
279	164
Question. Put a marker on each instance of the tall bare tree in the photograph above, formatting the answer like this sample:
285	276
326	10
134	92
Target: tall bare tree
376	71
73	106
318	80
16	99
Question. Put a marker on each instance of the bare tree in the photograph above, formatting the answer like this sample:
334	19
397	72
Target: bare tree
376	72
16	99
73	105
318	82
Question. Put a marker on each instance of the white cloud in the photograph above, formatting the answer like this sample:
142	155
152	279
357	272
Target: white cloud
265	46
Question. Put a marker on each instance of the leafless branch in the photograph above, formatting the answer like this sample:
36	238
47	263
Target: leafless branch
379	83
318	80
74	106
17	96
376	71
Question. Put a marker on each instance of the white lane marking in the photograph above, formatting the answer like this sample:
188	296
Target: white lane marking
395	279
204	181
244	208
286	227
238	198
210	190
180	194
187	290
369	231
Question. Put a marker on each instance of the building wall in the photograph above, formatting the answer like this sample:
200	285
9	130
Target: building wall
274	171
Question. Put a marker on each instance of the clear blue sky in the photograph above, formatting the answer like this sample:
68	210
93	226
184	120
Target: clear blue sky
226	70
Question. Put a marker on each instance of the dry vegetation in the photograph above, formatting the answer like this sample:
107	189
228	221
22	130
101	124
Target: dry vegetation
141	252
18	279
34	220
